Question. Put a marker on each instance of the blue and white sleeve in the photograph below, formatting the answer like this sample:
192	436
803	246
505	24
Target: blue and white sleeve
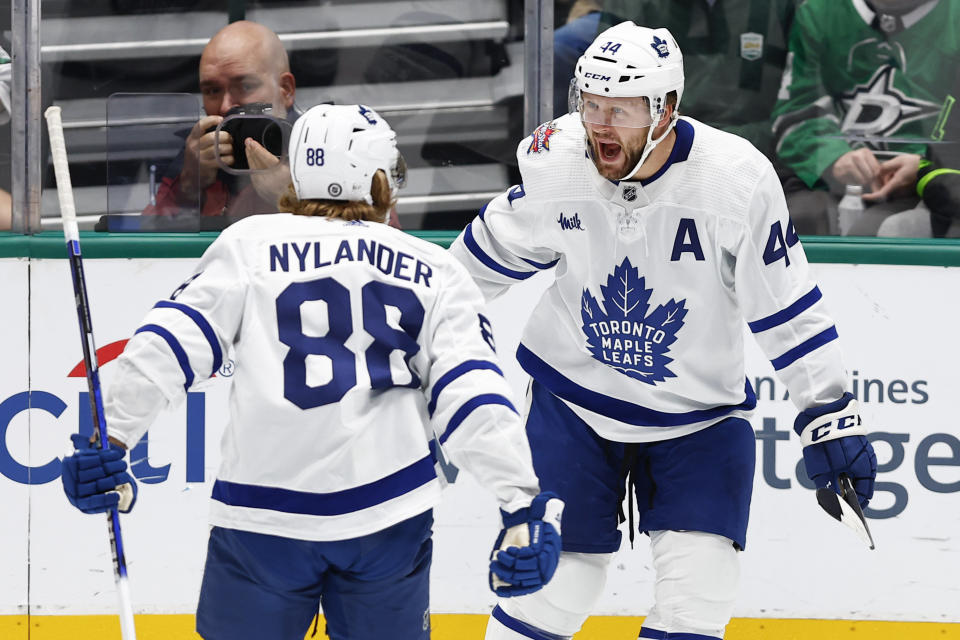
499	247
181	342
783	306
470	405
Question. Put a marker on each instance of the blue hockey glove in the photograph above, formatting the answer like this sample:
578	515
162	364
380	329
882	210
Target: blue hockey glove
527	550
835	443
96	480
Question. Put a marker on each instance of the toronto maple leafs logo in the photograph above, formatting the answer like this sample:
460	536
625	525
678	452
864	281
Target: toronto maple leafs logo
622	335
660	46
541	138
367	114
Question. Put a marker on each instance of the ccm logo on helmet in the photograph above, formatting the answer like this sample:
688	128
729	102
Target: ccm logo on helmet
596	76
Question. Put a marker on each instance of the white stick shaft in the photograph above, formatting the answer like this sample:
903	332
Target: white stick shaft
58	150
127	629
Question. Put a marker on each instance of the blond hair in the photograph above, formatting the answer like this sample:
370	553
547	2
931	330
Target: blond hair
383	201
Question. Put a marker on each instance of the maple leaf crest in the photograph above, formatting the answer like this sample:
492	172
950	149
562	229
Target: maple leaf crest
622	335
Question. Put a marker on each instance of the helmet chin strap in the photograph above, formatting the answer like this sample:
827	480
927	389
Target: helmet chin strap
649	146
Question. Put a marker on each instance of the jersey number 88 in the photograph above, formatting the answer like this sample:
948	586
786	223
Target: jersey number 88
375	298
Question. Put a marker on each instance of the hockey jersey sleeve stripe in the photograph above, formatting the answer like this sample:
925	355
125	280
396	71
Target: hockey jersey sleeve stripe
467	408
621	410
517	626
177	349
542	265
805	347
336	503
204	327
479	254
785	315
453	374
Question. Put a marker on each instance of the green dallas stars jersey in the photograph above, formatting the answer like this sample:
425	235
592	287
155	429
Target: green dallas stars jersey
848	84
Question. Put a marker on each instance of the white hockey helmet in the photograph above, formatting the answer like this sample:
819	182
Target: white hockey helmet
628	61
335	150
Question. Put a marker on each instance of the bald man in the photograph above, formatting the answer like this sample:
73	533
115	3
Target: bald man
243	63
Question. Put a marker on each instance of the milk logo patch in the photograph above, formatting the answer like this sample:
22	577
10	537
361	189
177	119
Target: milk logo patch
622	334
570	222
541	138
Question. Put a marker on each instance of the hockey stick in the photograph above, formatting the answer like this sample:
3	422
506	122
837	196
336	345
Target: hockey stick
846	508
68	215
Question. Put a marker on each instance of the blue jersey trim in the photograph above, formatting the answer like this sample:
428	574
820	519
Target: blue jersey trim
483	210
204	327
453	374
479	254
467	408
805	347
516	192
336	503
680	151
174	345
622	410
542	265
522	628
785	315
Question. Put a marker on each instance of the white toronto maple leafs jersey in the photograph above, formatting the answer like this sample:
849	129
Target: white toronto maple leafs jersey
357	348
641	333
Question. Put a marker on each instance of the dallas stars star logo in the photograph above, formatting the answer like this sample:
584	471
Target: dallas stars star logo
877	109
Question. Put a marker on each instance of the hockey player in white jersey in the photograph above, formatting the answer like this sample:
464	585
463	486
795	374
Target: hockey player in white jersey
359	350
664	236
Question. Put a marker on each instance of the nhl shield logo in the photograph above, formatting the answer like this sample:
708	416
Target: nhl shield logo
751	46
630	193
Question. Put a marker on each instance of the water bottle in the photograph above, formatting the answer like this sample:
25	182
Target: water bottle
850	208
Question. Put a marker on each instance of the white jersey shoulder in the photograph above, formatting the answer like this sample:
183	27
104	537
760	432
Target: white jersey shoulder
553	161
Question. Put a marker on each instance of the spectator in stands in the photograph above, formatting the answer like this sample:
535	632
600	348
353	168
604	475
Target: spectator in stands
243	63
569	43
938	181
864	75
6	211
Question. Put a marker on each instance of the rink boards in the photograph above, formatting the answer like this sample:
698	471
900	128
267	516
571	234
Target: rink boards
898	326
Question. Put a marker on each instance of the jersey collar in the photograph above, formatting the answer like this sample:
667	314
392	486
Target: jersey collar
613	189
680	151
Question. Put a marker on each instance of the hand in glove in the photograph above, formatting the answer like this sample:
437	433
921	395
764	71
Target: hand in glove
96	480
835	443
527	551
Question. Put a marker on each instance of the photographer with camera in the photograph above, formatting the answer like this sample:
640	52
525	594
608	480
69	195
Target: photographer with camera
243	70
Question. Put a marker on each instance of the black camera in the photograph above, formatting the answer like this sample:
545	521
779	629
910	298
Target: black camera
254	120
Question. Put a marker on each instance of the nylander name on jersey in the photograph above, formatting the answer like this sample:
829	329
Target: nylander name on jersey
307	256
